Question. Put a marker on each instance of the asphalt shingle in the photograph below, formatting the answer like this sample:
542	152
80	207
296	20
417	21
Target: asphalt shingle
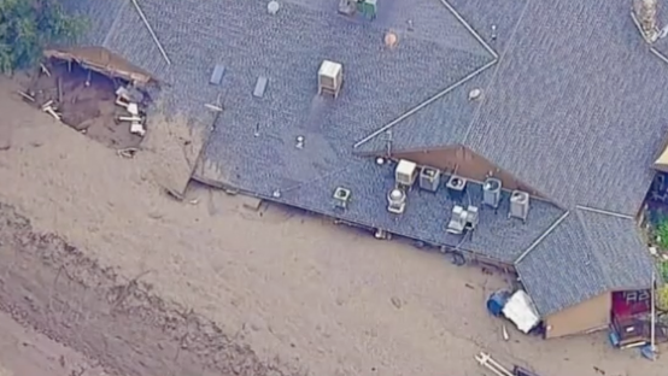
576	108
588	254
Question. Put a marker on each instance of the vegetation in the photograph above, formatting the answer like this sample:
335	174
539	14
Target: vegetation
662	233
27	26
662	299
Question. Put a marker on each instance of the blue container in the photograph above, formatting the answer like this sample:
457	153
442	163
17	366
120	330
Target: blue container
497	301
614	338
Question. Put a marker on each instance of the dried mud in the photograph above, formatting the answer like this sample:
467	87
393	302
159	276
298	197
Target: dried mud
51	286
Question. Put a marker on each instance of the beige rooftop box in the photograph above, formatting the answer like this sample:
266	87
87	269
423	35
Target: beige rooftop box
330	78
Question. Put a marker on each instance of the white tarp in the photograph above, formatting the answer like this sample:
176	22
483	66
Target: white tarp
520	310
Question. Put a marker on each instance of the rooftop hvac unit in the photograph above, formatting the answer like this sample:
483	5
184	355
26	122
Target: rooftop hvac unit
491	192
396	201
330	78
456	186
519	205
342	197
406	173
463	220
430	178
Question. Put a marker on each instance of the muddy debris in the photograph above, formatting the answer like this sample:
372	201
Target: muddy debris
118	323
105	109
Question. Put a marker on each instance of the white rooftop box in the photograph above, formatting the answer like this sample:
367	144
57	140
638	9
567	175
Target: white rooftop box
405	173
330	78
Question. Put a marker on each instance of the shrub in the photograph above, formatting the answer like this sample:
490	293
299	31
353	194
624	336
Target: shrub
27	26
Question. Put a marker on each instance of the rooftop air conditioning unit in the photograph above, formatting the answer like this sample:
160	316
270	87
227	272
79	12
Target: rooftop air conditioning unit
342	197
472	218
463	220
396	201
330	78
430	178
519	205
405	173
456	186
458	221
491	192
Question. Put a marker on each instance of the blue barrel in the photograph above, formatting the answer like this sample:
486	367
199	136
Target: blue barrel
497	301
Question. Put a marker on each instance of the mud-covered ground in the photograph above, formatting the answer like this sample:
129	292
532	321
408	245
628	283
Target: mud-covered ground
98	259
114	321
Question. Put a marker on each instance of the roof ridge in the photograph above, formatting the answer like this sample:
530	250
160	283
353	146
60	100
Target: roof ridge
542	237
603	212
447	90
511	43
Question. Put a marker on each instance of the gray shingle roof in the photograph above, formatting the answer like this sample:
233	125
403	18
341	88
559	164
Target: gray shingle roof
558	112
577	107
588	254
555	111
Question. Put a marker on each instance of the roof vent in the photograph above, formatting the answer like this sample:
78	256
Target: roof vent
645	12
491	192
299	142
406	173
519	205
342	197
475	94
430	178
273	7
462	220
330	78
391	39
396	201
456	186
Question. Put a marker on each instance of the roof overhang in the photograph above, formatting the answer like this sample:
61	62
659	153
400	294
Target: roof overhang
101	60
661	163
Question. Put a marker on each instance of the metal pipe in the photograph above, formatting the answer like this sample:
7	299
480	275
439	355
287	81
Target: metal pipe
652	327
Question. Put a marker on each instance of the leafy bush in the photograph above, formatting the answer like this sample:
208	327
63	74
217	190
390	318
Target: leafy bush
662	233
663	269
27	26
662	298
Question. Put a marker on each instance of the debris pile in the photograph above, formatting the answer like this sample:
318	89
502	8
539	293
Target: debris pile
107	109
128	98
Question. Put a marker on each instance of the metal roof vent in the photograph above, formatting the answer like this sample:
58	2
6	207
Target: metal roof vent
273	7
380	161
456	186
299	142
491	192
342	197
475	94
330	78
405	173
391	39
396	201
645	12
430	178
519	205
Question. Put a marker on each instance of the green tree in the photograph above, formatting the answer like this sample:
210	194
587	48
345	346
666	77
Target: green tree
27	26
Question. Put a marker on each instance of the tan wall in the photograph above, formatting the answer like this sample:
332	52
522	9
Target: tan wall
586	316
465	163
